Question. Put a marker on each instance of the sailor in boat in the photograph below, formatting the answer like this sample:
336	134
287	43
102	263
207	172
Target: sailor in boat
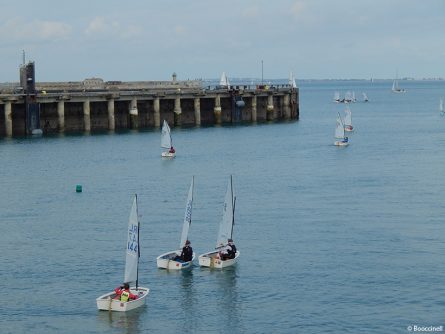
186	254
345	140
123	293
172	150
229	251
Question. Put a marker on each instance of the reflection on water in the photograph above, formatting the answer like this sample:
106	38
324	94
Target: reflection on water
125	322
229	311
188	300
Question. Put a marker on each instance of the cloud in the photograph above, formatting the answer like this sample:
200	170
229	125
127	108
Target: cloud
22	30
100	26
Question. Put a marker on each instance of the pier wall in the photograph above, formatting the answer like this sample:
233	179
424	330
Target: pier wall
109	109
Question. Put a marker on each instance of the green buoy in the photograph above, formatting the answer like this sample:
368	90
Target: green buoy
78	188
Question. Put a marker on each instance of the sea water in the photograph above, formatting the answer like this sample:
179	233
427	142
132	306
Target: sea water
332	240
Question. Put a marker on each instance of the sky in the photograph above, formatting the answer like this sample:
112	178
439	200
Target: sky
136	40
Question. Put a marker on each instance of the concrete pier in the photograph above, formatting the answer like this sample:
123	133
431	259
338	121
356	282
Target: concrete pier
95	105
111	116
61	116
197	106
8	119
157	112
86	116
217	109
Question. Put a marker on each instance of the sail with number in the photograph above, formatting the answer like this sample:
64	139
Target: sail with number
166	139
226	224
187	216
132	254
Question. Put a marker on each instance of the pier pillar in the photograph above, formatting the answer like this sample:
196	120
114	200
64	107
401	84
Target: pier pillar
269	108
157	109
8	118
254	110
86	116
286	106
134	113
177	110
111	117
61	116
217	110
197	111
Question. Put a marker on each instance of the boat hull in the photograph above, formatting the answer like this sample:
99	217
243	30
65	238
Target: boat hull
212	260
107	302
165	261
168	155
341	143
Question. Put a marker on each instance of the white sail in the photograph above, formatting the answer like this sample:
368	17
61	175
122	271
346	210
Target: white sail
336	96
166	139
292	82
339	128
365	97
225	226
132	257
187	216
348	117
224	80
441	105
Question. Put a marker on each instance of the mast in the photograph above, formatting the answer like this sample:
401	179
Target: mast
139	246
233	206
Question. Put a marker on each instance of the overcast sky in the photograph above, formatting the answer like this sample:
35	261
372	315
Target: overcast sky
149	40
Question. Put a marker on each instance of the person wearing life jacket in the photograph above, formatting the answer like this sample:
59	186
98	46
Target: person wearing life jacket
123	293
172	150
186	254
228	251
231	249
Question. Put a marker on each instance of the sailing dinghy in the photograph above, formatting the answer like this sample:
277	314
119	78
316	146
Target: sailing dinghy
348	120
166	141
340	132
211	259
167	260
107	302
395	85
441	106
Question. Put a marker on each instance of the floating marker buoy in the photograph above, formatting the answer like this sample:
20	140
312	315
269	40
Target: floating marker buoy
78	188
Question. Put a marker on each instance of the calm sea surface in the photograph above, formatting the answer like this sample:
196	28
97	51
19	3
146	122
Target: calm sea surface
332	240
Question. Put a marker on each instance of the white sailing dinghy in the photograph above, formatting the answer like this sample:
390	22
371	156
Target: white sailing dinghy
211	259
107	301
395	86
441	106
166	141
224	81
365	97
348	120
337	97
167	260
340	133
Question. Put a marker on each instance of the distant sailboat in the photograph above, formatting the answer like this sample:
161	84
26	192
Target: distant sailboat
166	142
224	81
340	132
395	86
292	82
441	106
337	97
365	97
348	120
